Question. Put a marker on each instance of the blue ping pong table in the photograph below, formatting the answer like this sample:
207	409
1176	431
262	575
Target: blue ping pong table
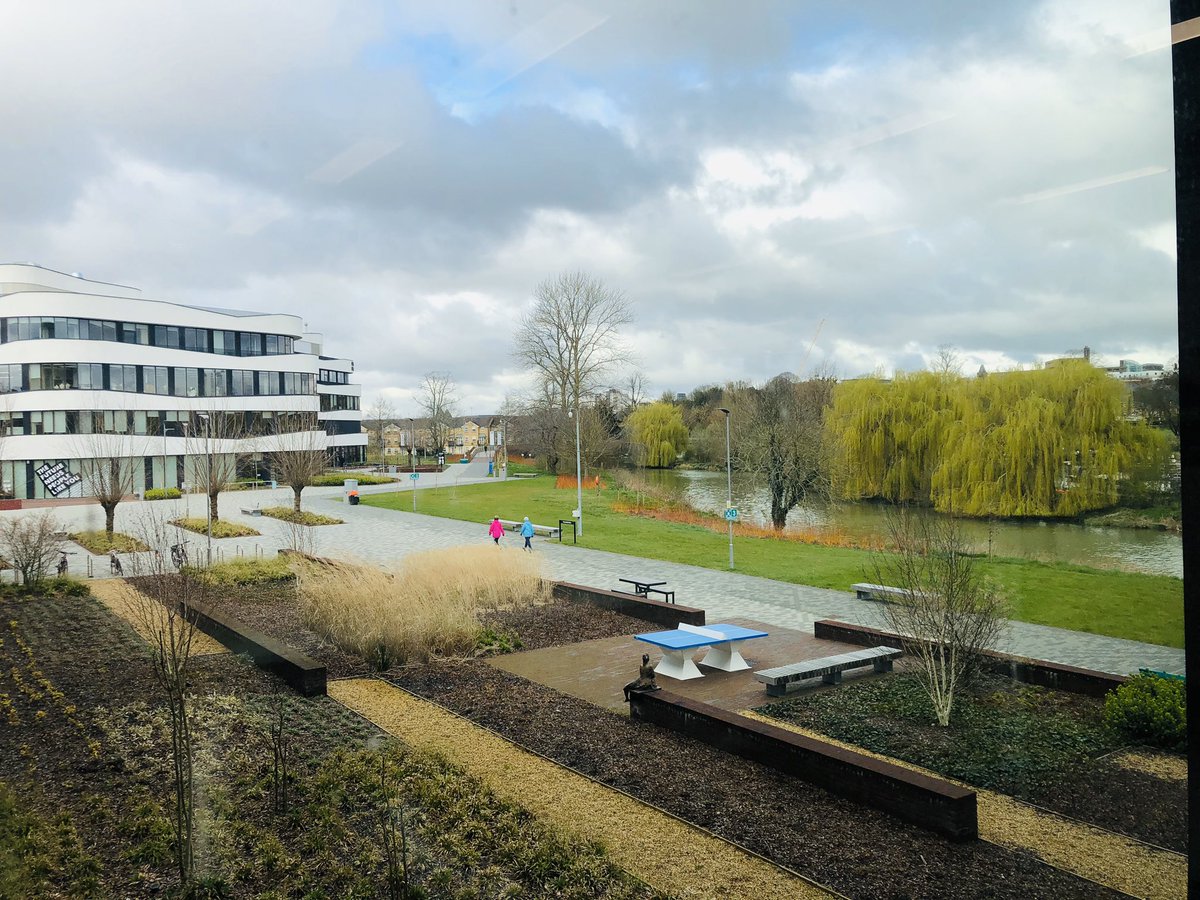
680	643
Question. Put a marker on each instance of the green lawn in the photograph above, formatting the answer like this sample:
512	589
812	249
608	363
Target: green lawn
1139	607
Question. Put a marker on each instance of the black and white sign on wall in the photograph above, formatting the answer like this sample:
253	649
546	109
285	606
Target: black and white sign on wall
57	478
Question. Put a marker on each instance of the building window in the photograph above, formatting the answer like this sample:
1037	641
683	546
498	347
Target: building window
215	383
195	339
250	343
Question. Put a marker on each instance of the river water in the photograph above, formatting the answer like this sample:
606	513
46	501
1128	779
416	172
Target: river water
1155	552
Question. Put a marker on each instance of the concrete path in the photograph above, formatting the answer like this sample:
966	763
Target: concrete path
384	536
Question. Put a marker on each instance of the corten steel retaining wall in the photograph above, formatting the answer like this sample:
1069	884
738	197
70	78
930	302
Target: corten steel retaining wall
657	611
305	675
1071	679
931	803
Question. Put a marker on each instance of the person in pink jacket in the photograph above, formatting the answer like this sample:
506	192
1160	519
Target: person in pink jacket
496	530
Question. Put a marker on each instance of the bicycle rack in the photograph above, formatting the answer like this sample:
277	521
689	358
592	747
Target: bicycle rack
90	572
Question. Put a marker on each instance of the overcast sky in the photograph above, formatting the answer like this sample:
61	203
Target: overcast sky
869	179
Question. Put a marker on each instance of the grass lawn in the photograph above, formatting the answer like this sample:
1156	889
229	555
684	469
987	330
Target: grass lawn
1138	607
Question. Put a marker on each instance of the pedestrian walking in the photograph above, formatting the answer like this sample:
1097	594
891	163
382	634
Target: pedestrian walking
496	530
527	533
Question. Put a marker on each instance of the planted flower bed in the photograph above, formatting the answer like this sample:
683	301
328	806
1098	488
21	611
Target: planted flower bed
287	514
1046	747
220	528
101	542
85	786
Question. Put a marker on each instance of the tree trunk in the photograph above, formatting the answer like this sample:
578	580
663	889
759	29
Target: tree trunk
212	505
110	514
296	503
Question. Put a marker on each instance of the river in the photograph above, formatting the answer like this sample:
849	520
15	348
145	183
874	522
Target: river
1138	550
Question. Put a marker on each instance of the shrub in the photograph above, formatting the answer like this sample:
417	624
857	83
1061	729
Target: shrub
99	542
287	514
1150	709
335	479
220	528
163	494
31	544
429	609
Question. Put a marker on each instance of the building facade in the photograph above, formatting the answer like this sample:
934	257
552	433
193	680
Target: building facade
92	371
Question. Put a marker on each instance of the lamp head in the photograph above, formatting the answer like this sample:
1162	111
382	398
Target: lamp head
722	409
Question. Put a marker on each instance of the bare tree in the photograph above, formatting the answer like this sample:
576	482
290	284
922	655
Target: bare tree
380	413
299	454
946	362
633	390
948	613
163	604
571	336
779	434
216	444
110	462
31	544
438	400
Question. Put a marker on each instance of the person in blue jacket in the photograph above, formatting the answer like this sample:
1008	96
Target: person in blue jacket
527	533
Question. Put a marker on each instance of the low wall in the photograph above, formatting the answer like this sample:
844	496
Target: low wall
928	802
1072	679
304	674
669	615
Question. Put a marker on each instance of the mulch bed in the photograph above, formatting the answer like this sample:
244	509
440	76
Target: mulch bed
860	852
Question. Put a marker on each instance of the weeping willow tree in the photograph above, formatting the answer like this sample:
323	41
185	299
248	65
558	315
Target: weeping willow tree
658	434
1051	442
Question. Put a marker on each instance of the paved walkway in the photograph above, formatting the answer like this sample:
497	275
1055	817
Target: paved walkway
383	536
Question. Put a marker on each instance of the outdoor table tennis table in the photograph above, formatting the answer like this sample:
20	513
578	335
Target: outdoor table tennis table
680	643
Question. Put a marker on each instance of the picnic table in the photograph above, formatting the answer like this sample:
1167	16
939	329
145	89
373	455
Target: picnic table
679	644
645	588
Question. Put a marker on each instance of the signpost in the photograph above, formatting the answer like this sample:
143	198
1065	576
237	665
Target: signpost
731	514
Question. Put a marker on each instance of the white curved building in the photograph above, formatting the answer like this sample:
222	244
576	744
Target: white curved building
91	370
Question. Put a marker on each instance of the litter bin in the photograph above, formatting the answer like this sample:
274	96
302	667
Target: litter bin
353	498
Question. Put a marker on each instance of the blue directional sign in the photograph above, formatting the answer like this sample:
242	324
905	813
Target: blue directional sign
415	475
731	514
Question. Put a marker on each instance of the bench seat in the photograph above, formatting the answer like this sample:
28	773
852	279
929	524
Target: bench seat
251	511
547	530
864	591
830	668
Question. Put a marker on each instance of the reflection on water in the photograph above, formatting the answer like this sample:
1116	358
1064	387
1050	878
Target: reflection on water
1156	552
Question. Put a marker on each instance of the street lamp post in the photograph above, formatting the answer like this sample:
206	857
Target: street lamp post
208	483
728	482
578	470
412	455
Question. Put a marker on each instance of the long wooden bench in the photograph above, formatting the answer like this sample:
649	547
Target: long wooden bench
863	591
547	530
830	668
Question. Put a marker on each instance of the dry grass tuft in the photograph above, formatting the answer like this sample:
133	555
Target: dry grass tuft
429	609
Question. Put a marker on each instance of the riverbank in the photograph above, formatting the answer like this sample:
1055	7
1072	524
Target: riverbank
1153	519
1126	605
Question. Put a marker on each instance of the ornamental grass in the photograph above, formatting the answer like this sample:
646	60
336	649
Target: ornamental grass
429	609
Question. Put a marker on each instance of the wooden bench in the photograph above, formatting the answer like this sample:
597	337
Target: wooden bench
251	511
877	592
547	530
830	668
